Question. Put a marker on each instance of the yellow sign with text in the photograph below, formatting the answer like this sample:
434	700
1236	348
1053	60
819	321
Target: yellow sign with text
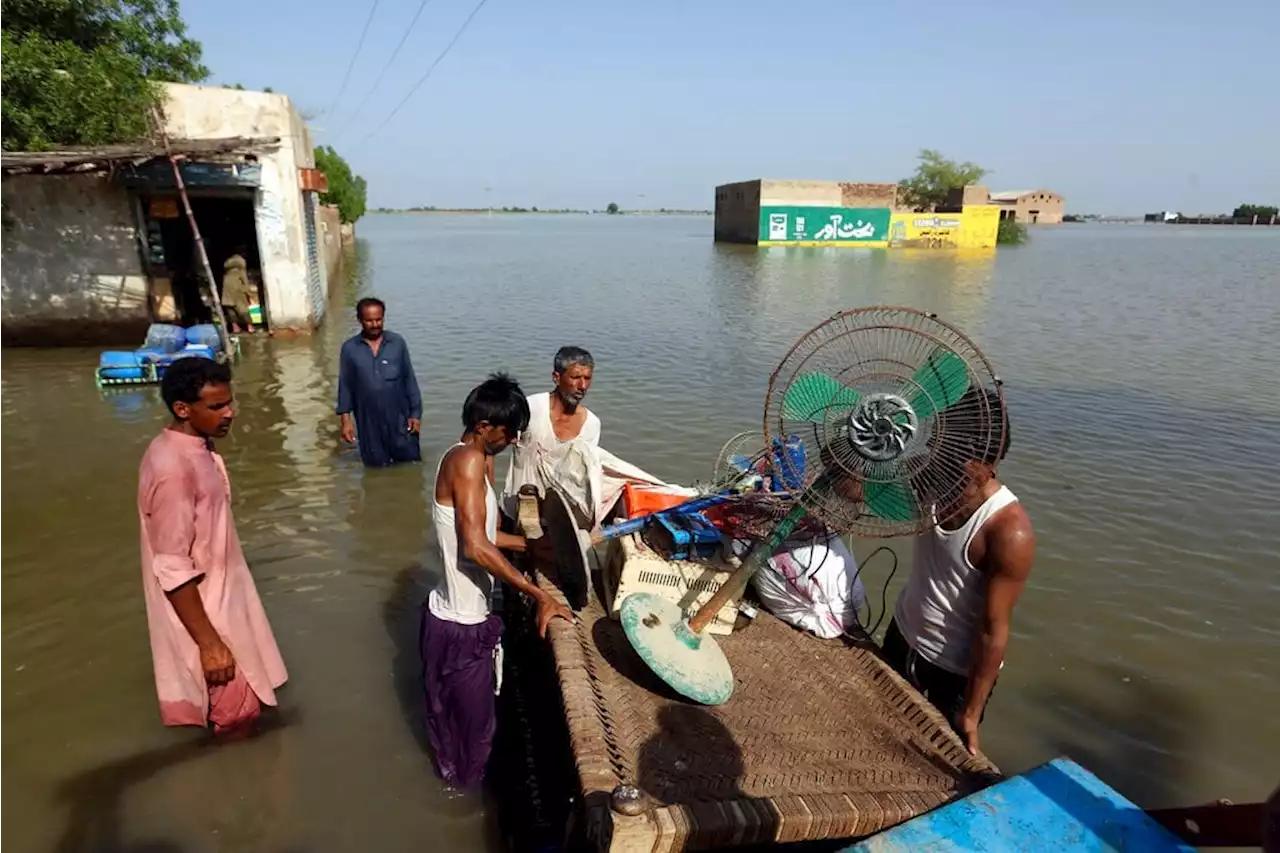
974	228
925	230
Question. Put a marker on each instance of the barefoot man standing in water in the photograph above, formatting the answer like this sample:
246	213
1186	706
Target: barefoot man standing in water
214	655
460	631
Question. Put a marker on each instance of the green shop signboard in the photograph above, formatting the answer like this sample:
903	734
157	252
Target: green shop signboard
824	224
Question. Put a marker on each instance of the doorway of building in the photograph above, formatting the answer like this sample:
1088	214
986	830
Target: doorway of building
227	227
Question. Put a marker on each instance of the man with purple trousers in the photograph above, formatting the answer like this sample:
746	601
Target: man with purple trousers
460	631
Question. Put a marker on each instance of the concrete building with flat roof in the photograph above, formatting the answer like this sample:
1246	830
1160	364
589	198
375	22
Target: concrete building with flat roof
766	212
1031	207
97	243
738	217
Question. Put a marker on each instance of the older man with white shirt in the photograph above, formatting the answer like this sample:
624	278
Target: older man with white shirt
556	418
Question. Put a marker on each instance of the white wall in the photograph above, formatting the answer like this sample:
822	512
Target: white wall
72	269
205	112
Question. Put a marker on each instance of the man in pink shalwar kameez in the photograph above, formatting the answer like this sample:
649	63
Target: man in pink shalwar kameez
215	658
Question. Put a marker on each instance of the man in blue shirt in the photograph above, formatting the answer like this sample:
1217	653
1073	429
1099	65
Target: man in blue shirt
378	397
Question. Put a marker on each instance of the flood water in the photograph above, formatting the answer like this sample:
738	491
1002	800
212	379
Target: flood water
1141	366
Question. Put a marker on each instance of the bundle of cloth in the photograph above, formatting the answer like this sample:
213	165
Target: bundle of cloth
590	478
813	586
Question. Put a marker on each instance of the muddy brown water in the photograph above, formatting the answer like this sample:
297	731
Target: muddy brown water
1141	368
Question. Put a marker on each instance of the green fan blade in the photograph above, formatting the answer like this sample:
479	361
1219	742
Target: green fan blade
943	380
810	395
890	501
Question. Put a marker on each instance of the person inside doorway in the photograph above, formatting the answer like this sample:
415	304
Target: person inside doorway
460	632
212	649
238	292
555	417
378	399
950	626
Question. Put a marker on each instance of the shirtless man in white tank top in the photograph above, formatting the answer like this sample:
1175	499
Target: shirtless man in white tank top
951	622
460	631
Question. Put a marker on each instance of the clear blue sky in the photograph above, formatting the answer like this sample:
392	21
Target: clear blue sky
1123	106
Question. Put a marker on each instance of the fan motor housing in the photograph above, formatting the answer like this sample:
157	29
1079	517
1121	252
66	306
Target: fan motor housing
881	426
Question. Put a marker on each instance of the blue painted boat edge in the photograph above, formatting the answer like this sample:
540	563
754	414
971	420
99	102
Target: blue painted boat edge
1056	806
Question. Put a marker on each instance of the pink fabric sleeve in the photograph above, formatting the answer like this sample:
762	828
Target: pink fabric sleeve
171	530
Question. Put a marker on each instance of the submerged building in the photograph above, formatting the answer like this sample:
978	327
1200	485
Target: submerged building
768	212
1030	207
97	243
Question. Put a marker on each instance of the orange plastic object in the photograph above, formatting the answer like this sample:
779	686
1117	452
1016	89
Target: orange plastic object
646	500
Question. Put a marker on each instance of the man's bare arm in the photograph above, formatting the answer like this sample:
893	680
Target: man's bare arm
468	488
512	542
215	658
1010	553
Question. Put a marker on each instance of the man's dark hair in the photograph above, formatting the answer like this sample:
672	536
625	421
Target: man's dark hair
567	357
967	414
367	302
499	401
186	377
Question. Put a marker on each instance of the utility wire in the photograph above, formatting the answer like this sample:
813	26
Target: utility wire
424	77
346	78
383	73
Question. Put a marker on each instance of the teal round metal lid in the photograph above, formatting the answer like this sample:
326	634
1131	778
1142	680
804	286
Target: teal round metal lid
692	664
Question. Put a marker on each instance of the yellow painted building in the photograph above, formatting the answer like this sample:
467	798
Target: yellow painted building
974	227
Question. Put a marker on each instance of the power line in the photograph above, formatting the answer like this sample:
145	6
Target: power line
346	78
350	121
424	77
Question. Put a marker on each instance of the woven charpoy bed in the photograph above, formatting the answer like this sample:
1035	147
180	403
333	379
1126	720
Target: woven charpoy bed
821	740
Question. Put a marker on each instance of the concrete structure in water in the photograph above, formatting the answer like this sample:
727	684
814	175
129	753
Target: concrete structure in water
96	244
831	213
1030	207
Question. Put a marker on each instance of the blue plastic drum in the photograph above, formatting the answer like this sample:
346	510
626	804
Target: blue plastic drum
165	337
205	335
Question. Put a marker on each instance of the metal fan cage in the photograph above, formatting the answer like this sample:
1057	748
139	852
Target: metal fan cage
753	515
750	445
888	432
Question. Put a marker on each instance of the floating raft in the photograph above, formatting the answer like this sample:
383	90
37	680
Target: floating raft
821	740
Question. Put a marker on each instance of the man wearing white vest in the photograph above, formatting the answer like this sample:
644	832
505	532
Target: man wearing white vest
950	625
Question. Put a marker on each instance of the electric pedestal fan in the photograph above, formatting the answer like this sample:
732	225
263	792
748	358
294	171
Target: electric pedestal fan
890	404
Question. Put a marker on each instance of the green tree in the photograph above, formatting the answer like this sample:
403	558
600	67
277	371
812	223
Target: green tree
84	72
612	208
1010	232
347	190
935	176
1262	211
